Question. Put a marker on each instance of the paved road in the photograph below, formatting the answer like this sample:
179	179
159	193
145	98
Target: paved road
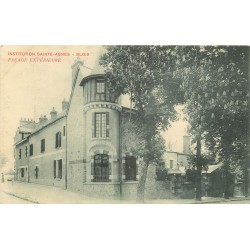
237	202
9	199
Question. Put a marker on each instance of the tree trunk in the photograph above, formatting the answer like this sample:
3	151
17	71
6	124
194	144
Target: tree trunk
199	168
248	152
246	177
227	183
142	183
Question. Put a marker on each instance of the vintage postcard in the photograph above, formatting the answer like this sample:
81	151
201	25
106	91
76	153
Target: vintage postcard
124	124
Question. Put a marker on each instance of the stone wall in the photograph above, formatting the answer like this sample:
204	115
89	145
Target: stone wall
75	138
102	191
44	161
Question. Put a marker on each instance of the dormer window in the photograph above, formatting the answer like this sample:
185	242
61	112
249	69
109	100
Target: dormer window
100	90
100	87
96	90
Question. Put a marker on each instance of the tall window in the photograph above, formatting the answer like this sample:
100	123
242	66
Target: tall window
54	169
22	172
26	151
100	90
101	125
31	149
64	130
42	145
58	169
130	168
36	172
101	168
171	162
100	87
58	140
20	153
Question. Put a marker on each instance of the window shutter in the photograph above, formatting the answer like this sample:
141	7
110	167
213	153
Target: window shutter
60	169
93	125
56	141
59	139
54	169
107	124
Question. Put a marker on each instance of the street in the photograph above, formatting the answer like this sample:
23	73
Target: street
9	199
237	202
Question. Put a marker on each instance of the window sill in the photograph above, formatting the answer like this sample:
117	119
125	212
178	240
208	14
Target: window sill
101	183
101	138
130	182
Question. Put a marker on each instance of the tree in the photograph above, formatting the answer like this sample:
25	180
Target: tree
143	73
212	82
215	83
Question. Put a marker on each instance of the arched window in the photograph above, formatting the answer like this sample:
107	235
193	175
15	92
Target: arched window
130	168
101	168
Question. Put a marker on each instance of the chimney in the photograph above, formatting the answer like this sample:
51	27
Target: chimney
186	143
42	119
53	113
65	104
75	69
25	122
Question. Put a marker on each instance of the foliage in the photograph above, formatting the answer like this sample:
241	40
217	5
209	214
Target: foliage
216	96
215	83
203	160
212	82
161	174
190	175
142	72
132	137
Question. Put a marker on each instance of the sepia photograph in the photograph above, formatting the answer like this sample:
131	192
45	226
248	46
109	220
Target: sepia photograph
124	125
144	124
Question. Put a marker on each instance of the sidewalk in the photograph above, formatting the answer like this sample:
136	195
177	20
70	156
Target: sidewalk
205	200
41	194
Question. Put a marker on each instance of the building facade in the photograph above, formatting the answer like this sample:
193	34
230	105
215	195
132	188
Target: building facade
80	148
89	146
40	156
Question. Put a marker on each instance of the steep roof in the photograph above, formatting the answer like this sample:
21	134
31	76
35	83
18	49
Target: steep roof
96	70
49	122
212	168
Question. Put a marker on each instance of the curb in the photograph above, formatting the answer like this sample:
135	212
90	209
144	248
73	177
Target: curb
22	198
220	201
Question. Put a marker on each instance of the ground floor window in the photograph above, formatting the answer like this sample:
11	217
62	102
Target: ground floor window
36	172
58	169
22	172
130	168
171	163
101	168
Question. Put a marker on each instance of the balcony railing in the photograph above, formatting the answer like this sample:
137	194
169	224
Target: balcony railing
103	178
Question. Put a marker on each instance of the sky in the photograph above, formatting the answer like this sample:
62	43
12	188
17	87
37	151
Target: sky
29	88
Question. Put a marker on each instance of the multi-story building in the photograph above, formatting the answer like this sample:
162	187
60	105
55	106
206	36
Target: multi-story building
87	147
79	149
40	149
